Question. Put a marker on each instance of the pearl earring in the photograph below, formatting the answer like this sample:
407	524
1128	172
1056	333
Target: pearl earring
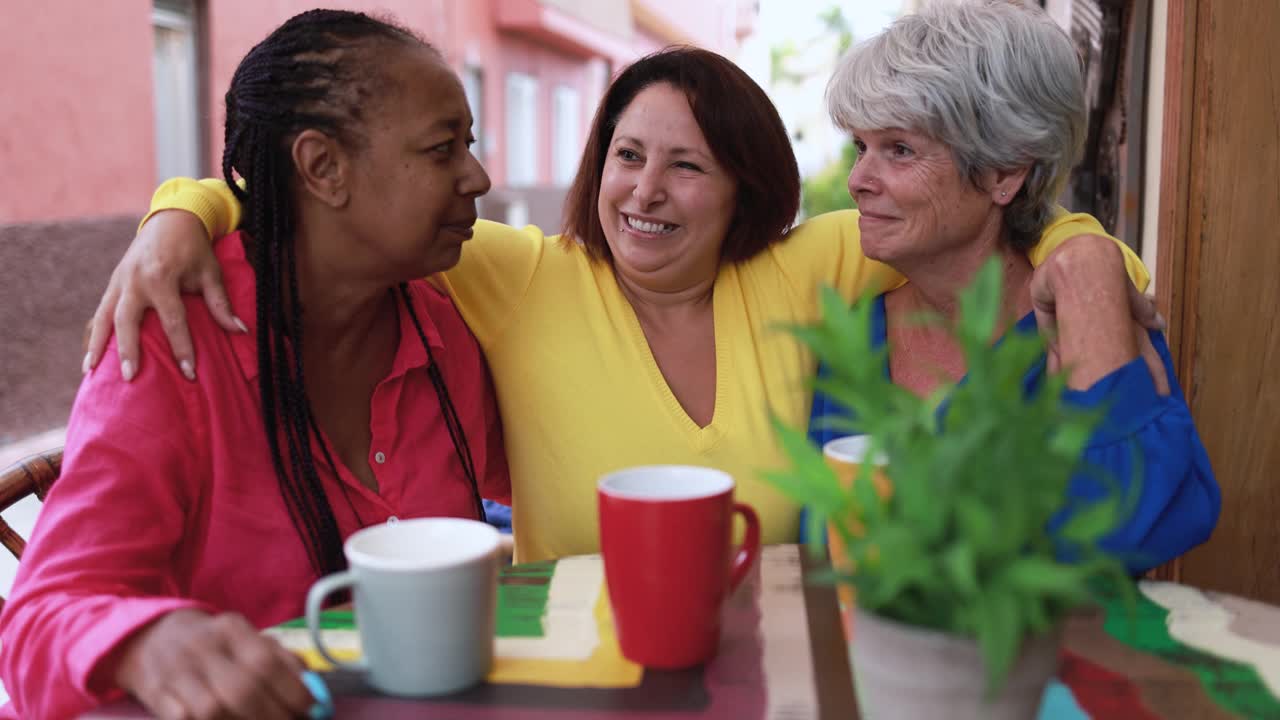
1004	194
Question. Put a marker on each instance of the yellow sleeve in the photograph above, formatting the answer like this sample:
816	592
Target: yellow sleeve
494	274
209	199
828	249
1067	225
496	268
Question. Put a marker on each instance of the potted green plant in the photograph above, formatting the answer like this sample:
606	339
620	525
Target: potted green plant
961	589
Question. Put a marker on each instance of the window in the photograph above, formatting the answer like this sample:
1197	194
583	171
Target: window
522	129
567	135
473	85
176	77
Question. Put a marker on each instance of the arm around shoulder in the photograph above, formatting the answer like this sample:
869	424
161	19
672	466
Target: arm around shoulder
495	273
210	199
1065	226
827	250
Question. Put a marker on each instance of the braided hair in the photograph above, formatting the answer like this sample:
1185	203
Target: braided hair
317	70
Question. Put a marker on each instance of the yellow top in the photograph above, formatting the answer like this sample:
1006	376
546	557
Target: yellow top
579	390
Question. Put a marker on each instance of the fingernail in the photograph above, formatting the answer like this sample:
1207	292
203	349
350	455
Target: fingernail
126	370
87	365
240	324
323	707
1161	323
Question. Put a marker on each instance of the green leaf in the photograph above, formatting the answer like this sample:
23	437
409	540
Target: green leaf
980	303
816	531
1038	616
811	482
866	496
962	567
1070	439
903	562
1034	576
828	576
1000	633
977	523
1090	523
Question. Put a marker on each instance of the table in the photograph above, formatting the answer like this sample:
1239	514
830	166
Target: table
783	655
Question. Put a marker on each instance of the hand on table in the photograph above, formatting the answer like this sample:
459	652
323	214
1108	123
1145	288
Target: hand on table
190	665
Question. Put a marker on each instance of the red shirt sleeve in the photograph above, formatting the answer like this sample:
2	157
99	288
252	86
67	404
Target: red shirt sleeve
100	562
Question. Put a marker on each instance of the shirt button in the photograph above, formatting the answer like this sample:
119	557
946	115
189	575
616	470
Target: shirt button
393	520
379	457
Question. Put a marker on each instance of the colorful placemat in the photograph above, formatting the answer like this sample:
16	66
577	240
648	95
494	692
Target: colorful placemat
1084	689
1178	652
556	648
553	626
1224	641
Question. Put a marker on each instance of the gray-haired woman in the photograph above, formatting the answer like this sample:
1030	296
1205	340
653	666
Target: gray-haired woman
968	118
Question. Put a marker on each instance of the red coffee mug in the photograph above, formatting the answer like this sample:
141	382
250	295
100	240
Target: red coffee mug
665	536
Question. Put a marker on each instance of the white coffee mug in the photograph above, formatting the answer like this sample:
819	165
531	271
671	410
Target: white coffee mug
425	597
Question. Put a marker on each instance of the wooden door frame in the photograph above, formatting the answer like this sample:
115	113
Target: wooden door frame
1180	204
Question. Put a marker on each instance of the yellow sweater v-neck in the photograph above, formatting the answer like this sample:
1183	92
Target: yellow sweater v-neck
578	388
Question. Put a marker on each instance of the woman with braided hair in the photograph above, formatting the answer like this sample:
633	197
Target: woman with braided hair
191	513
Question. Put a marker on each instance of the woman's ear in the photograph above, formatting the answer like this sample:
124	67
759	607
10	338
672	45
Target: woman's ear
323	167
1006	184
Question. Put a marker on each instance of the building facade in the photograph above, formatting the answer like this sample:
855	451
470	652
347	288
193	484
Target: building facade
103	100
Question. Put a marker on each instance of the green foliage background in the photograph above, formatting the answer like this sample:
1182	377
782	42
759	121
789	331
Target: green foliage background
829	189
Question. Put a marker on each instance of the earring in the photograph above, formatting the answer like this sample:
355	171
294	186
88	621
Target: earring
1004	194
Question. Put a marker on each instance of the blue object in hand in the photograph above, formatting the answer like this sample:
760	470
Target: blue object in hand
323	707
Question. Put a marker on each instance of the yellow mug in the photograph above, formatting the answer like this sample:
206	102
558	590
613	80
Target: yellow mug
846	455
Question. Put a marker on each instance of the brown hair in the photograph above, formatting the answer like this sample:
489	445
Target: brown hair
740	125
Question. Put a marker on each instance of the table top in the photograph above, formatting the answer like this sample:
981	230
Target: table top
783	654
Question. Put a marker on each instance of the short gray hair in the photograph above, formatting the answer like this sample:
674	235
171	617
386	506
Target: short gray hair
995	80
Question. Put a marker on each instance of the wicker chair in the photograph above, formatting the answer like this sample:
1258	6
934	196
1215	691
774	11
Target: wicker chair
33	475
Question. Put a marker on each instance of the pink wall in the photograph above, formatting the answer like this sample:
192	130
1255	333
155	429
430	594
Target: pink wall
235	26
78	136
709	24
479	43
76	119
464	32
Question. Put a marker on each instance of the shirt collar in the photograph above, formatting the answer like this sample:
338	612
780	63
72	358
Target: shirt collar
241	284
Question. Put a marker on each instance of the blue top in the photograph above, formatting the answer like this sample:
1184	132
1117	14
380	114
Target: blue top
1179	502
498	515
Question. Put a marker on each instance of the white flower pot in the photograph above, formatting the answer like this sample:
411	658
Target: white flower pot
904	672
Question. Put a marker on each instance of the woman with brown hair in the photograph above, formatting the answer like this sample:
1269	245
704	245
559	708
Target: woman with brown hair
649	331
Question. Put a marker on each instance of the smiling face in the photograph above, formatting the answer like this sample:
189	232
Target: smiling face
914	203
415	182
665	204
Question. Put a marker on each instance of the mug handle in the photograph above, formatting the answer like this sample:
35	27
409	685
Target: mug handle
323	588
747	552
